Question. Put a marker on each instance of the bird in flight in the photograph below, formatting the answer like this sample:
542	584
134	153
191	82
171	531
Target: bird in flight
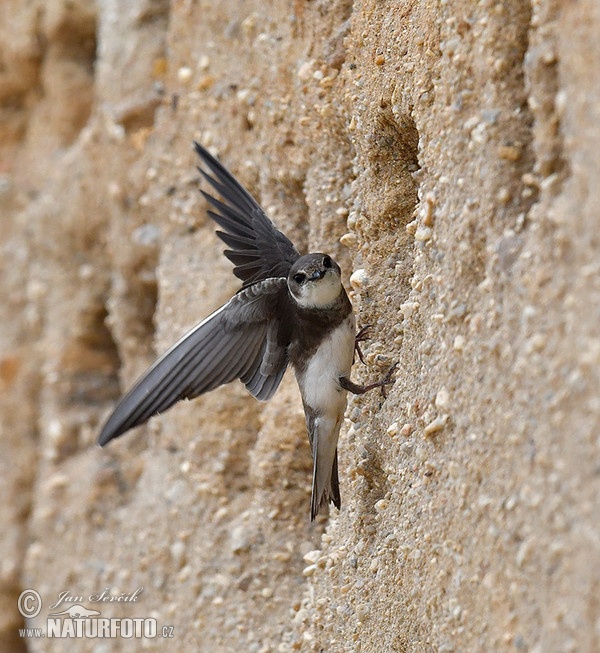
291	309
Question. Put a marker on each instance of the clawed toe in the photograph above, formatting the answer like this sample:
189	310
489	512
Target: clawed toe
364	333
361	336
387	380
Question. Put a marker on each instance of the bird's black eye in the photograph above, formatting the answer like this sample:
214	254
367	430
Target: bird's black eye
300	277
327	263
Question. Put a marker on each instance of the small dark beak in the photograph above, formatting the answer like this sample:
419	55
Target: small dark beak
319	274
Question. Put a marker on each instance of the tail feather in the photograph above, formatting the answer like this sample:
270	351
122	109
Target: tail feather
323	431
334	494
324	490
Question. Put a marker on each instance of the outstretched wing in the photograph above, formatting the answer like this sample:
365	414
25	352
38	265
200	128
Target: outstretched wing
241	340
258	249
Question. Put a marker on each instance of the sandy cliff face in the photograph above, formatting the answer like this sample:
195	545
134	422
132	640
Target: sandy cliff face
451	152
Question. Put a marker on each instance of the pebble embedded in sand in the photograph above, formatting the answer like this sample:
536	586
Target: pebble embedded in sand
442	398
406	430
184	74
435	425
358	279
392	429
382	505
459	343
423	233
309	571
349	240
408	309
312	557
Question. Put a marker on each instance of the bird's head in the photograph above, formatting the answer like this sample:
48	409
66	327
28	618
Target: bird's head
315	281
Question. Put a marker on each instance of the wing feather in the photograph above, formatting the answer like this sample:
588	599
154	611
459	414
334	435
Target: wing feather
227	345
233	360
258	249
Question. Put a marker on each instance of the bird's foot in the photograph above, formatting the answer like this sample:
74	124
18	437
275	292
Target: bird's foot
358	389
361	336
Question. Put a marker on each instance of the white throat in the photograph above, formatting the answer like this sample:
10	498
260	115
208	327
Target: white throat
320	293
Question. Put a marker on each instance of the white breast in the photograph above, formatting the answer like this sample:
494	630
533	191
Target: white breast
319	384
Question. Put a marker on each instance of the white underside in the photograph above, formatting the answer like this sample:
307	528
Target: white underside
321	390
320	385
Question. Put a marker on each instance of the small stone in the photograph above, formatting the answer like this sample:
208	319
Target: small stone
406	430
184	574
408	309
305	70
239	540
282	556
361	611
426	213
509	152
205	82
177	550
184	74
358	278
392	429
435	425
309	571
536	342
503	195
327	82
85	271
349	240
244	95
411	227
459	343
442	398
57	482
312	556
423	233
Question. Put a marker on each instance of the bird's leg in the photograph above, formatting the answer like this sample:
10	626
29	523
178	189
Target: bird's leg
357	389
361	336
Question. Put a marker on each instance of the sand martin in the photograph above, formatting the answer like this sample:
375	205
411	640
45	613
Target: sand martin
290	309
